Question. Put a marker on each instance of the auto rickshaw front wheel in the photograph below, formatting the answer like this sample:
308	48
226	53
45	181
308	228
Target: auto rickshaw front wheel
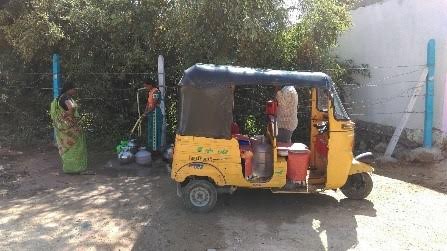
358	186
199	196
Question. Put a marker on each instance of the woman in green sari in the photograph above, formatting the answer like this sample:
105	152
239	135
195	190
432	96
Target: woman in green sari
69	135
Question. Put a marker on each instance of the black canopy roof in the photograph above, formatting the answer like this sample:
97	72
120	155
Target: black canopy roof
211	75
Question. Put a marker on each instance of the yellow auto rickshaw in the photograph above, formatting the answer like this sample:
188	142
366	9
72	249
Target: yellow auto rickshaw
208	159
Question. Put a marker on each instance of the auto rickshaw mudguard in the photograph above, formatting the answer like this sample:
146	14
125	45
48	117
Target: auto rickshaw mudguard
358	166
199	169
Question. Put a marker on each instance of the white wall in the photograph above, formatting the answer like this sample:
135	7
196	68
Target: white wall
395	33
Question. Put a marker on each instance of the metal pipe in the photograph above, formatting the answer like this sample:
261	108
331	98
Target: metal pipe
56	75
56	81
162	87
429	94
138	107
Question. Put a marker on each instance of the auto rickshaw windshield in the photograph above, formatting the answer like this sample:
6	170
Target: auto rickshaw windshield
339	110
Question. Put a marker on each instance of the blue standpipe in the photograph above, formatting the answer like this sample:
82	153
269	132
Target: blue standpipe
56	81
429	95
56	75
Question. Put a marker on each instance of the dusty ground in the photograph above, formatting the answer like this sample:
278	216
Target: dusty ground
135	208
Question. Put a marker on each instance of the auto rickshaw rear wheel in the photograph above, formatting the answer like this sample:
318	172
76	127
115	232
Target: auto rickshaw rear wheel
199	196
358	186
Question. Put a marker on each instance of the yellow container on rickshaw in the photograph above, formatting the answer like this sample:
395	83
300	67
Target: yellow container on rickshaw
208	159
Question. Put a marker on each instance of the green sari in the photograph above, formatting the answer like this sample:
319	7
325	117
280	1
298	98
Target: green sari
70	139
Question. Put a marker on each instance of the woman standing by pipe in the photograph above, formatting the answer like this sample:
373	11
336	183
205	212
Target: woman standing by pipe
69	135
154	116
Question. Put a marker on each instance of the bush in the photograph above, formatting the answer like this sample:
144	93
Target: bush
108	49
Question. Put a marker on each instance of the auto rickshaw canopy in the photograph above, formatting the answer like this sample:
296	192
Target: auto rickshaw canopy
207	94
207	75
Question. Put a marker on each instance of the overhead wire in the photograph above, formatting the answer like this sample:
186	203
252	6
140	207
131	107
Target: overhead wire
149	73
362	104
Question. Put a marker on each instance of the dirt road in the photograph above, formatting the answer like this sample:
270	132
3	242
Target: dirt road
134	208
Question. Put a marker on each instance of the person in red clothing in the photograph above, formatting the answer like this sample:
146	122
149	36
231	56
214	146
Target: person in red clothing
154	116
235	129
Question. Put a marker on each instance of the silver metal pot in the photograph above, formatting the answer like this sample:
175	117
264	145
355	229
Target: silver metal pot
126	157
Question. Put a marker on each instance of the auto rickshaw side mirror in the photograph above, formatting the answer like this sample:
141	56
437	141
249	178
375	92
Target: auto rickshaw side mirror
322	126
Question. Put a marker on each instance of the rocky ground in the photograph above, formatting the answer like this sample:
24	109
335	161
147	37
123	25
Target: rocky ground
136	208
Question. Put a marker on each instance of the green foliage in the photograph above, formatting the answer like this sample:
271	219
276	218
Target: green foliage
252	126
226	32
307	44
103	43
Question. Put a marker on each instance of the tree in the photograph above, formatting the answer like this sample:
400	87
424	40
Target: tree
105	45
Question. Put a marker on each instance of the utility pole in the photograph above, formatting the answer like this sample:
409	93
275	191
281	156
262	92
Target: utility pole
162	86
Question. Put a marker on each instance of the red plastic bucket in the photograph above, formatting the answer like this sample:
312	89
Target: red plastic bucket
297	164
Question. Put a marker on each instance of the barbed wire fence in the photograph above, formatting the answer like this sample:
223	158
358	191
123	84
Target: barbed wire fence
123	95
403	84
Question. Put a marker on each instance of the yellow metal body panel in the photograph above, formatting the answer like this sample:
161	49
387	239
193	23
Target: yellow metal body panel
219	160
360	167
341	140
339	159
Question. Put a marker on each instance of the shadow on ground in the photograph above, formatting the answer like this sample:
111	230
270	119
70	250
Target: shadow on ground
50	210
429	175
257	220
131	207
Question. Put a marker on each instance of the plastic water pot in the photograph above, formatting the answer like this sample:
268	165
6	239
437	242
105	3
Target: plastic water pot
262	164
143	157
